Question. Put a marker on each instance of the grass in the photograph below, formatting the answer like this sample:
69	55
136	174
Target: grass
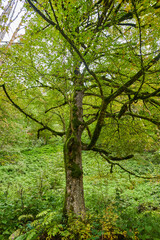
34	182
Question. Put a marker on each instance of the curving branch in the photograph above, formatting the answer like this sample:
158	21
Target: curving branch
154	121
56	107
148	95
40	130
29	115
121	158
126	170
154	102
107	154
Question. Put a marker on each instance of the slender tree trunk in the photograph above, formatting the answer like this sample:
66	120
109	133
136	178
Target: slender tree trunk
74	196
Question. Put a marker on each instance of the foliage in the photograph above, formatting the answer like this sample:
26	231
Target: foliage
12	127
88	72
108	44
32	195
29	185
91	228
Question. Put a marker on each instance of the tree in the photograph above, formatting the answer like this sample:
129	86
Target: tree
88	71
10	133
9	15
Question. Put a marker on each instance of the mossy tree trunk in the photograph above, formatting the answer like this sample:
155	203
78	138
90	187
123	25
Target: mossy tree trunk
74	195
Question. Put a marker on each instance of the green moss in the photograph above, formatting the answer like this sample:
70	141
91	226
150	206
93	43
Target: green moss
74	107
70	142
76	171
79	88
70	152
70	148
76	123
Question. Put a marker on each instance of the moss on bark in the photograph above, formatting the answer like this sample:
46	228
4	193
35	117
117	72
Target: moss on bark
76	172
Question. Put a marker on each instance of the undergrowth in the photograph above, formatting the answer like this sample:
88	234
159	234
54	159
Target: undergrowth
118	206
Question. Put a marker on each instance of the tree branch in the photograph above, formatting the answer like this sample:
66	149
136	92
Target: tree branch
145	118
56	107
126	170
29	115
107	100
41	14
127	24
102	151
71	42
40	130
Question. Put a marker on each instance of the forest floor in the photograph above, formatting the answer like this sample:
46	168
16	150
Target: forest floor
32	182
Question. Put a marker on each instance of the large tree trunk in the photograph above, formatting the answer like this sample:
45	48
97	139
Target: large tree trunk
74	196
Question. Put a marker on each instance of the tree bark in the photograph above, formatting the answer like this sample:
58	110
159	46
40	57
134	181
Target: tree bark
74	195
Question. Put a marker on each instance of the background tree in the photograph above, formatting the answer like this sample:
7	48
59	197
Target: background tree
10	25
88	71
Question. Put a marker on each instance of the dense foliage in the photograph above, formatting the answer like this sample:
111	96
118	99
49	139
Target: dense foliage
32	193
86	72
113	47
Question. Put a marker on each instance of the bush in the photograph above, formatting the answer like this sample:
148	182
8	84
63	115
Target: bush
49	224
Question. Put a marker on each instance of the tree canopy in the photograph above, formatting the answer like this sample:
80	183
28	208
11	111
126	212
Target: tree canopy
88	71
